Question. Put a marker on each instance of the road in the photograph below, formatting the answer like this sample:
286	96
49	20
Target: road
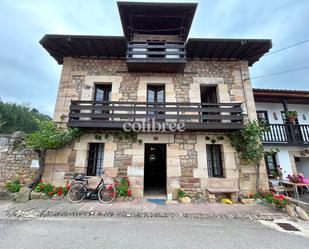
114	233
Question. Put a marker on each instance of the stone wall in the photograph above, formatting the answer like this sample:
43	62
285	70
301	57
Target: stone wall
15	159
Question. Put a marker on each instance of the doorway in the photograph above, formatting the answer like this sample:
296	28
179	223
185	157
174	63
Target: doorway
155	170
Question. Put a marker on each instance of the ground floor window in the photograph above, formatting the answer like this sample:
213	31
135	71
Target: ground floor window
271	165
214	160
95	159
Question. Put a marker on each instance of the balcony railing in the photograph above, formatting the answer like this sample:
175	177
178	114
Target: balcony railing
196	116
286	134
151	56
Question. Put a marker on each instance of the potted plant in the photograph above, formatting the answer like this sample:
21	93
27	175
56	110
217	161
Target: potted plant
247	198
291	116
182	197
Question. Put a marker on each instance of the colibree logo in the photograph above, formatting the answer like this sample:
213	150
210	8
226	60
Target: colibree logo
151	125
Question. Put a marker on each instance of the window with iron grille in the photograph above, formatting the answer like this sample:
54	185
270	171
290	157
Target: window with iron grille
95	159
214	160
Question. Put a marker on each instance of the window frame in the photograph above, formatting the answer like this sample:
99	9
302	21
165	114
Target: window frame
274	162
265	115
95	155
211	165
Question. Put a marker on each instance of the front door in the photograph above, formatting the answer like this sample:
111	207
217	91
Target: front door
155	169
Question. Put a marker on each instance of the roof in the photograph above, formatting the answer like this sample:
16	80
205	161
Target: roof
230	49
157	18
278	95
80	46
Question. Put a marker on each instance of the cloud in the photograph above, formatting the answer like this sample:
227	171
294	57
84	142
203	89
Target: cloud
29	74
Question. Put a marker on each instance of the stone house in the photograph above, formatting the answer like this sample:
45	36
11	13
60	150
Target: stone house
155	73
291	138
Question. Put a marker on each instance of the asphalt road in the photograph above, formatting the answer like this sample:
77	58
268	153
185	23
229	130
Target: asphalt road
137	233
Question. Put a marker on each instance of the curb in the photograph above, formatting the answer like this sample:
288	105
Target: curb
46	213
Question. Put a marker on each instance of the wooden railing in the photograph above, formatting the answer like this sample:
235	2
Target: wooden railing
196	116
156	50
286	134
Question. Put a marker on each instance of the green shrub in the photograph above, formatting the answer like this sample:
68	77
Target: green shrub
13	186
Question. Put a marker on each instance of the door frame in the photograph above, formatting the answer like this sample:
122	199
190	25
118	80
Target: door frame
165	162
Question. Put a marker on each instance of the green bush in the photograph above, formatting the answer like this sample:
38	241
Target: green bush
181	193
13	186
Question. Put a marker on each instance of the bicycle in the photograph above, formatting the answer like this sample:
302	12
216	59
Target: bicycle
80	189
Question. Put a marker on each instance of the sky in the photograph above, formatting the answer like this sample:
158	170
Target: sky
29	75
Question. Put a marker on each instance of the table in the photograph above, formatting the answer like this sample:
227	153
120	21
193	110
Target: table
295	187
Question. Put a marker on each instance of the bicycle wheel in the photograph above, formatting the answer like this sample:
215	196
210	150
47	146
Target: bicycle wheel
106	193
77	192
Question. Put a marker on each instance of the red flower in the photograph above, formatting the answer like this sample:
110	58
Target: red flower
68	186
60	191
41	181
117	184
41	186
129	192
276	196
110	187
51	193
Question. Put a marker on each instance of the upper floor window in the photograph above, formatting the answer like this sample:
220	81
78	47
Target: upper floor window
214	160
102	92
262	116
95	159
156	93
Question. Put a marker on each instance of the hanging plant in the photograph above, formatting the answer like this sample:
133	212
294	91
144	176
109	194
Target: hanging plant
214	139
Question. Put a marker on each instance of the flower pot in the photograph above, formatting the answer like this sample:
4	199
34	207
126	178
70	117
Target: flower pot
291	120
248	201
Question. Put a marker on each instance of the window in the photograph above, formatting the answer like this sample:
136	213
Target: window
102	93
214	160
95	159
156	95
262	116
271	165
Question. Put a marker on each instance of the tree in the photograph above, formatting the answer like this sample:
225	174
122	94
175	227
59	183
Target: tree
49	136
14	117
247	143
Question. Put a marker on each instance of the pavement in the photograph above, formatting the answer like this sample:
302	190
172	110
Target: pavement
117	232
140	208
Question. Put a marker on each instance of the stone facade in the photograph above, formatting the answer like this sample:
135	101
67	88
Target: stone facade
186	152
16	159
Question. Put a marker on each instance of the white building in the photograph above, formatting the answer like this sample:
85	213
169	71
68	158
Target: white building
291	138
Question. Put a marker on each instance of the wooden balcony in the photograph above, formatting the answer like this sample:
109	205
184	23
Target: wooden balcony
286	134
156	56
196	116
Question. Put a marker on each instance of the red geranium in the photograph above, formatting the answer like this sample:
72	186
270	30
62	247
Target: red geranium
110	187
129	192
60	191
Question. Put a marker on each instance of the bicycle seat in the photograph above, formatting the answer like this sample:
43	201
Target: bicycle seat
79	177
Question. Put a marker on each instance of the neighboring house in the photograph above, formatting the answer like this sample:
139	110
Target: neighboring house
292	139
155	72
